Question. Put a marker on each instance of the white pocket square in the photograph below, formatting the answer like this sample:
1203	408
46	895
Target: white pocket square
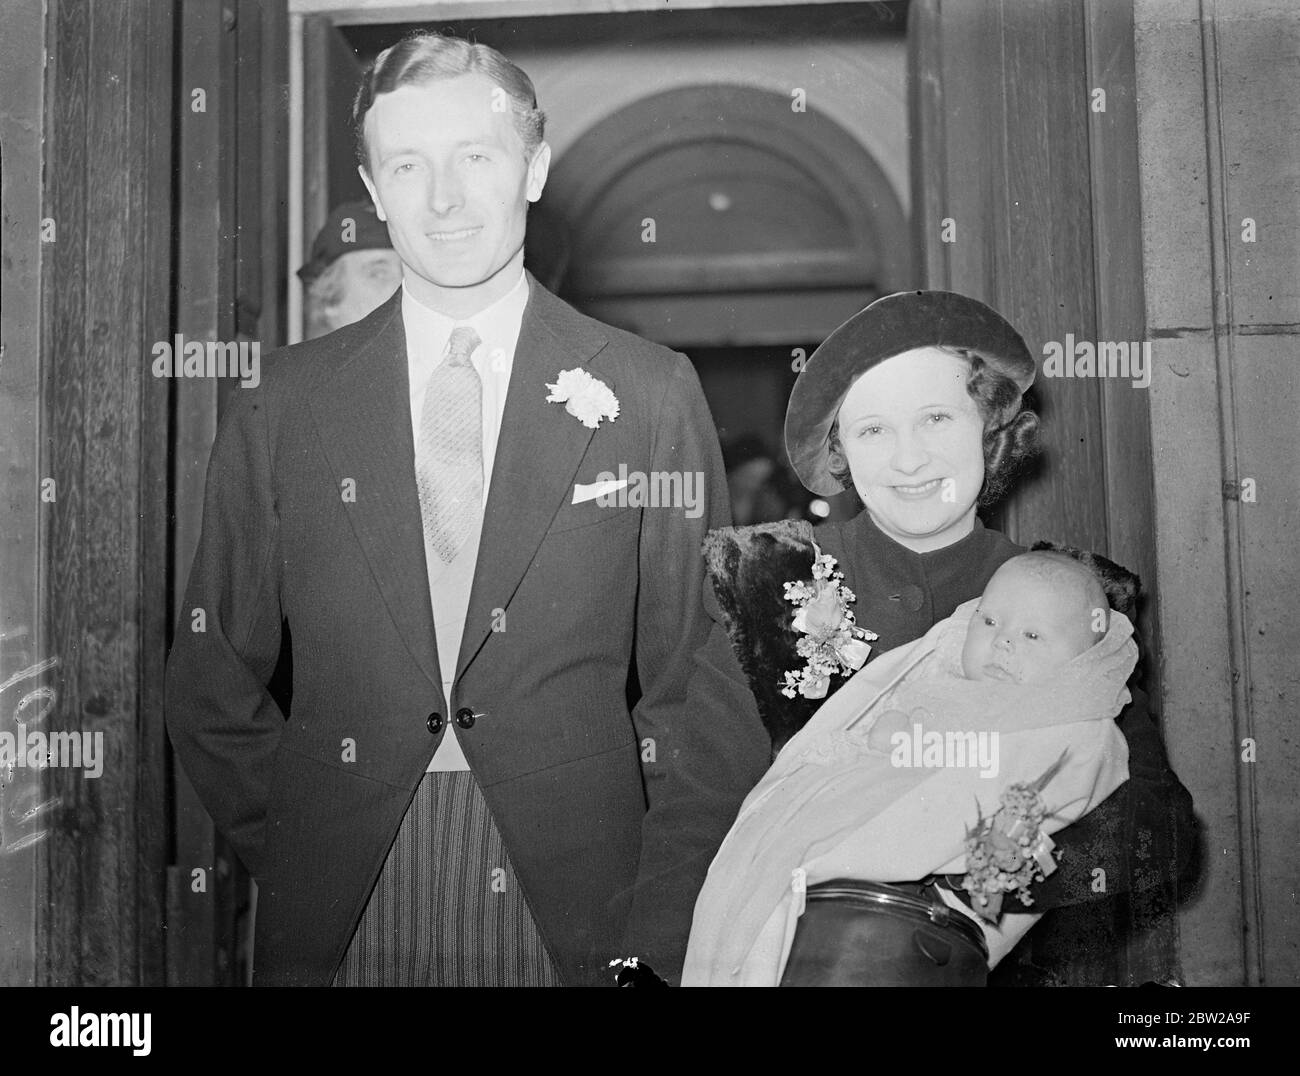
589	492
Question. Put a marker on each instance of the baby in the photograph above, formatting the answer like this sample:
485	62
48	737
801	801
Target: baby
885	778
1038	612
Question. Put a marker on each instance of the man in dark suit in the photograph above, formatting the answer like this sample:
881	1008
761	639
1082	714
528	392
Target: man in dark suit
461	794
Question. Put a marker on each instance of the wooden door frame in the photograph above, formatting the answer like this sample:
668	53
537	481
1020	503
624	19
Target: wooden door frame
103	421
230	285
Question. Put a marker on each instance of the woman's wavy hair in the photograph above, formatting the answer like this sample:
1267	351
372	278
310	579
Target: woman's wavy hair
1010	432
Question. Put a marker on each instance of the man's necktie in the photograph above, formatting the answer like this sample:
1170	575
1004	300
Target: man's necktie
449	452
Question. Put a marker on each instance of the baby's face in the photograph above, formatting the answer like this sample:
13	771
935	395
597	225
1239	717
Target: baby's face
1025	629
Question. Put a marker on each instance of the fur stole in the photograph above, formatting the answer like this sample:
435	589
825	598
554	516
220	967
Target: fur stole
748	567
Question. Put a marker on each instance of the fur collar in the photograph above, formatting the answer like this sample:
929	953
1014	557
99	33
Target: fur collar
747	567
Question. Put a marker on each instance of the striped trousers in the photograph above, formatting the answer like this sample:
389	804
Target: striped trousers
447	909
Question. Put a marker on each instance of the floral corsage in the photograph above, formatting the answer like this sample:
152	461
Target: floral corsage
831	642
1009	851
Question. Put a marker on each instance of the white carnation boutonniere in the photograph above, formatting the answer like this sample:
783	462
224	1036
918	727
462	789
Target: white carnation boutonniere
586	398
832	643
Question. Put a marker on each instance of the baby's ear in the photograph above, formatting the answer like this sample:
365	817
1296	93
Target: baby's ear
1122	587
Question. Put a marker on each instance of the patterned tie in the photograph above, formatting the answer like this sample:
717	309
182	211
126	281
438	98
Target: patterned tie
449	457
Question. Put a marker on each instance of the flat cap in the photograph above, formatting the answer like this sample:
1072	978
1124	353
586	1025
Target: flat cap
893	324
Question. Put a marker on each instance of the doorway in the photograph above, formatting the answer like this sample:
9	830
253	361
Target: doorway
734	182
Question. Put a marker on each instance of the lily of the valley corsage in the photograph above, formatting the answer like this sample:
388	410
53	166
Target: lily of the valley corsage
832	643
1009	851
586	398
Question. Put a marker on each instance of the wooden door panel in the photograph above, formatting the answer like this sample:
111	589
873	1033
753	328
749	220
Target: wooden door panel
230	286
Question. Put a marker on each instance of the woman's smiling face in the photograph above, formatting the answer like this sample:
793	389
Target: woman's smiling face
913	439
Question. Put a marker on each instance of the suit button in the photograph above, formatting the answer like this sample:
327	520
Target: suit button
435	723
465	717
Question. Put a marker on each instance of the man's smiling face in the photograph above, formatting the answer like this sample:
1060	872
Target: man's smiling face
449	173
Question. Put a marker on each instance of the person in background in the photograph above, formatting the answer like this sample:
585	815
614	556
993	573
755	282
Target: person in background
352	270
762	489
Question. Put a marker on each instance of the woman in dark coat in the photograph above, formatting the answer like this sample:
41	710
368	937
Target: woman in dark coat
916	402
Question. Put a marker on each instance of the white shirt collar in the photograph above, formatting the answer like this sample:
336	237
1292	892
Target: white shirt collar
435	328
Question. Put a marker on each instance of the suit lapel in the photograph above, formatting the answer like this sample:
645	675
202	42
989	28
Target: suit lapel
362	416
538	453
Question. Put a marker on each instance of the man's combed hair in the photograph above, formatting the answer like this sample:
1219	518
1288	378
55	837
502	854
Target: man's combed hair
423	57
1010	434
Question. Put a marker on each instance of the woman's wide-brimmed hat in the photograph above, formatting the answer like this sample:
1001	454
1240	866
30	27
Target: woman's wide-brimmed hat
890	326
